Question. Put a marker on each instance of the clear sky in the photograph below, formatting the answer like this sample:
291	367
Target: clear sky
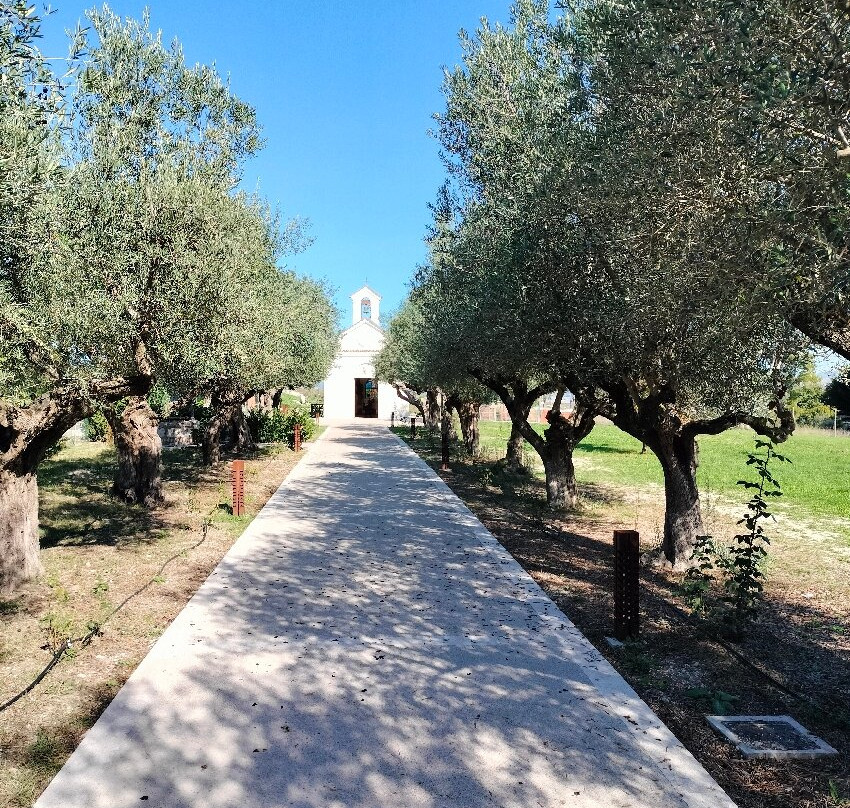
345	91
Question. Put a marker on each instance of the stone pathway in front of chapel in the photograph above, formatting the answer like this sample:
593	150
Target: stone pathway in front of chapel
368	644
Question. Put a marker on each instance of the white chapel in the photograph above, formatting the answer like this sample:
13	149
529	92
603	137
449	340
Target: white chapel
351	390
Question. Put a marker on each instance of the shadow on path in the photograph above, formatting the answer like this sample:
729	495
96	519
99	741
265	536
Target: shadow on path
367	643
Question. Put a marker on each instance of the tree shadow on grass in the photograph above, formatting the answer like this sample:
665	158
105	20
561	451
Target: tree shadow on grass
602	448
183	465
75	508
103	524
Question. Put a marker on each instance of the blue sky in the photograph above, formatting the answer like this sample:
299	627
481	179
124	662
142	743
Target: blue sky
345	92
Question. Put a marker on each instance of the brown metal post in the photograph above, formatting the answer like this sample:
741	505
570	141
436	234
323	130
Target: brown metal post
413	427
237	478
626	584
444	443
392	419
297	437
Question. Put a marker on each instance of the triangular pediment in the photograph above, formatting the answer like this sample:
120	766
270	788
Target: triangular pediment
364	335
365	292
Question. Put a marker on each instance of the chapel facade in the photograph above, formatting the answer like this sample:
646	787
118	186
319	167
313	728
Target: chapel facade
351	389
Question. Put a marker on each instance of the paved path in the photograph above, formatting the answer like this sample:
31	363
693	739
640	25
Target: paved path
367	643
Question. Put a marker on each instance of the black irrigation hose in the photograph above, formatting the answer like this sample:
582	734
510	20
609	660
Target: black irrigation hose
95	631
83	641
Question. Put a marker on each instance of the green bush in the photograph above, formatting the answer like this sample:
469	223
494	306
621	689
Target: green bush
56	448
159	400
97	429
278	426
267	427
299	415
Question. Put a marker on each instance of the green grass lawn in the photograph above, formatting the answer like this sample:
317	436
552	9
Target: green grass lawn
817	479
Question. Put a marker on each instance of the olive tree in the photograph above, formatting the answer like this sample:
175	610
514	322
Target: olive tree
509	128
140	263
290	341
729	121
413	361
597	293
38	402
399	362
480	320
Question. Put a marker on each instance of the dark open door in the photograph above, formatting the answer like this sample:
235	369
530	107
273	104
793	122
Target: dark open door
365	398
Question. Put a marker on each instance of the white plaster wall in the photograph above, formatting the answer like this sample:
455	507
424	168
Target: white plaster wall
339	396
355	360
339	389
339	386
389	402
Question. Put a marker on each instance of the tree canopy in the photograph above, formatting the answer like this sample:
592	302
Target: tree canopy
618	223
128	256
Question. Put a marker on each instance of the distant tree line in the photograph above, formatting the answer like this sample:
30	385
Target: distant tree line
646	205
129	259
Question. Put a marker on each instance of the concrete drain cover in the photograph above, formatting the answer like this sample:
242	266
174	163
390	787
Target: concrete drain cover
770	736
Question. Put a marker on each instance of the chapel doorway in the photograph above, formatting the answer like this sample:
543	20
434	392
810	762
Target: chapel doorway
365	398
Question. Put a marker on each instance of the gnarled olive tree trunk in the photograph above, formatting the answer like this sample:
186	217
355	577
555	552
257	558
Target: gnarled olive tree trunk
411	396
138	478
683	523
557	443
432	410
227	407
467	413
241	435
26	435
556	450
211	441
657	420
19	559
513	456
557	456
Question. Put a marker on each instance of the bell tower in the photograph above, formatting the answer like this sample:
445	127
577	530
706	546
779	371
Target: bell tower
366	305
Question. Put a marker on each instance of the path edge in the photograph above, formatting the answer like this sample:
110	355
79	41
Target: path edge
678	765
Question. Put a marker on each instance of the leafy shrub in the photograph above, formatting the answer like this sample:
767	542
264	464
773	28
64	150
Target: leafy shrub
739	564
56	448
159	400
267	426
718	702
256	420
97	429
278	426
299	415
189	408
200	411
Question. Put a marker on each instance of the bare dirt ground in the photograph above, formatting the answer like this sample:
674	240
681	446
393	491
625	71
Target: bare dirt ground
96	553
794	660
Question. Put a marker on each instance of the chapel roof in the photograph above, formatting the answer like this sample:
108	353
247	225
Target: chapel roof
365	290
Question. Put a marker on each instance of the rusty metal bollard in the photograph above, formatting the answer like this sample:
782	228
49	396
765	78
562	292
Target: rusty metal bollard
297	437
392	419
413	427
237	479
626	584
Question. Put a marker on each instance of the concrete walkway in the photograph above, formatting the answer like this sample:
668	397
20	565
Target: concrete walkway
368	643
